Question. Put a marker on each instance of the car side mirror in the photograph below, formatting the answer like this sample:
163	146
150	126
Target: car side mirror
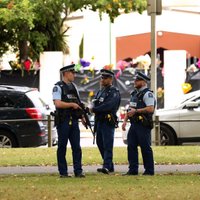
192	105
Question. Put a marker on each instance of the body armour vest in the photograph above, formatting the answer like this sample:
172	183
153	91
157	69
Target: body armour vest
68	95
137	102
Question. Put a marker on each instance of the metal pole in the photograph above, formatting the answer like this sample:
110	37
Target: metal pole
153	60
157	131
49	132
153	50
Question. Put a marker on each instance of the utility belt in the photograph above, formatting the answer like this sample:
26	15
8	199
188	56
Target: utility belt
144	120
61	116
109	118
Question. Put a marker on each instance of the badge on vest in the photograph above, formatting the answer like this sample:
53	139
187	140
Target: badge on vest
133	104
101	99
70	96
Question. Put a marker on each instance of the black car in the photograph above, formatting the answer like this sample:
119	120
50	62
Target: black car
18	104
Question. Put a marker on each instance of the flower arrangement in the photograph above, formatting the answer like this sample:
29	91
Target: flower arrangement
143	62
25	65
160	92
108	67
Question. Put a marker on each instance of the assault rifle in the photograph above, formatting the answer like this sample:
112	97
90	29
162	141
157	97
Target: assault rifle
85	113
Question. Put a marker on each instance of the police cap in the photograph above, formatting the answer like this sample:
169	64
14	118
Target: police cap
142	76
68	68
106	73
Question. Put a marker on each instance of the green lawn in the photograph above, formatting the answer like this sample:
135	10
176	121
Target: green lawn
47	156
98	186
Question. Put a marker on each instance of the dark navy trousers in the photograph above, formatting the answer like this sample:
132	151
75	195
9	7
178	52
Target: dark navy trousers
139	135
72	133
105	140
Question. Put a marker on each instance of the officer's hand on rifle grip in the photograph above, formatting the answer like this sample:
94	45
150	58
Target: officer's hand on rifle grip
75	106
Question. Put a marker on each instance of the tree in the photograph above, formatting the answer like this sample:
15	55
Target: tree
36	26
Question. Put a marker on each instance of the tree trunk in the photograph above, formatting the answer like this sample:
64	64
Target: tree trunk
23	50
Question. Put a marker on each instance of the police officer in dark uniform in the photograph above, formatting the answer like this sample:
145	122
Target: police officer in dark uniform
67	115
106	104
140	111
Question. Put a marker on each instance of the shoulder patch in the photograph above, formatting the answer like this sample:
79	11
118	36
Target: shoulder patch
55	89
150	95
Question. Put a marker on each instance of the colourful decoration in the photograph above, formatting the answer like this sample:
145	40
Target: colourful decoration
27	65
198	63
118	74
77	67
84	63
108	67
186	87
160	92
91	93
85	80
121	65
143	62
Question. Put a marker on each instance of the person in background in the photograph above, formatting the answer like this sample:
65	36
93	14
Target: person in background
140	111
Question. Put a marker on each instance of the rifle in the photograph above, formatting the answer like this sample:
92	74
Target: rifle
87	124
85	113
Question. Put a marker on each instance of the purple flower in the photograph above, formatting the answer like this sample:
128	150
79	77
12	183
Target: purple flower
84	63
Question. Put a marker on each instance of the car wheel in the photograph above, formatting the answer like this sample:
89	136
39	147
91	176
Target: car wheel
7	140
166	136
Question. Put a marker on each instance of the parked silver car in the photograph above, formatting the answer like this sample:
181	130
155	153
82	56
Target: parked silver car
181	124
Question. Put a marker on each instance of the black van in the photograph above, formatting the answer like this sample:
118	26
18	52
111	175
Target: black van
17	104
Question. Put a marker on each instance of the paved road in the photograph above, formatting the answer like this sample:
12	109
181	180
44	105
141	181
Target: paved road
159	169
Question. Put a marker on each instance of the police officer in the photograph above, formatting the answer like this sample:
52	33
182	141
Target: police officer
67	114
106	104
140	111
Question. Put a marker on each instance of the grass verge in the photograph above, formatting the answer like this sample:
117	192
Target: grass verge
47	156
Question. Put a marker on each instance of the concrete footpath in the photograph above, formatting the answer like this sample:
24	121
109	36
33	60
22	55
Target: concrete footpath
159	169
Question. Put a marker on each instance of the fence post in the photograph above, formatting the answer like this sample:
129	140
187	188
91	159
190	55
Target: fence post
49	131
157	131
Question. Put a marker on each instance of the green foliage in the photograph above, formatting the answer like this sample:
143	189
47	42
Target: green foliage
34	26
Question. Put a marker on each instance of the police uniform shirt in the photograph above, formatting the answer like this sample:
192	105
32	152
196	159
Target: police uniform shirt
148	98
110	103
57	93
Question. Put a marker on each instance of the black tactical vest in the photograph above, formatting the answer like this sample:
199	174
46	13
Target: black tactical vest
68	95
137	102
